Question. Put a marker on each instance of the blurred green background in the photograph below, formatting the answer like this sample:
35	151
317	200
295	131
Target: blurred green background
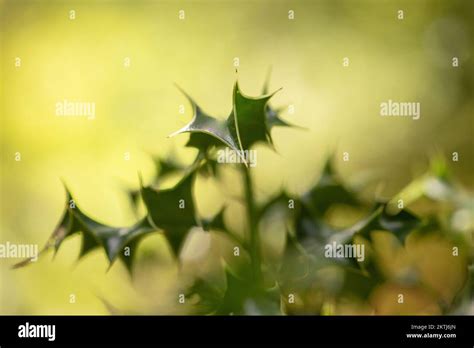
138	106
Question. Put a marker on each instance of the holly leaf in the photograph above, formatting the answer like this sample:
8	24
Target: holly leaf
399	224
209	296
272	115
328	191
311	232
241	296
164	167
245	126
274	119
357	283
172	210
95	234
248	120
295	263
167	166
215	223
209	168
206	131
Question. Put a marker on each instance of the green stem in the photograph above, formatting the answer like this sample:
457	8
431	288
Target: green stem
255	251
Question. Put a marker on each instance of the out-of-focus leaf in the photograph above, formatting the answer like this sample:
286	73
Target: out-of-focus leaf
209	168
310	229
328	191
163	167
241	296
167	166
295	263
357	283
436	184
274	119
173	210
400	224
95	234
311	232
111	309
215	223
203	141
134	196
210	296
273	114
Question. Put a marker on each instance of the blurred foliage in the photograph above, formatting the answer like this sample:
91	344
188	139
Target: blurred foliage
304	279
83	59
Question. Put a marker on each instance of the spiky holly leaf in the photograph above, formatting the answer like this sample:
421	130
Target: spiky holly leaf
399	224
311	232
245	126
248	120
95	234
173	210
310	229
274	119
294	263
203	142
308	226
206	131
164	167
328	191
217	224
295	259
273	114
243	297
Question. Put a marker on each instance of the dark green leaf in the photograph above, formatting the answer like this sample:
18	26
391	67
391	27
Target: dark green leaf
272	114
400	224
328	191
95	234
248	120
243	297
164	167
207	131
173	210
245	126
215	223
